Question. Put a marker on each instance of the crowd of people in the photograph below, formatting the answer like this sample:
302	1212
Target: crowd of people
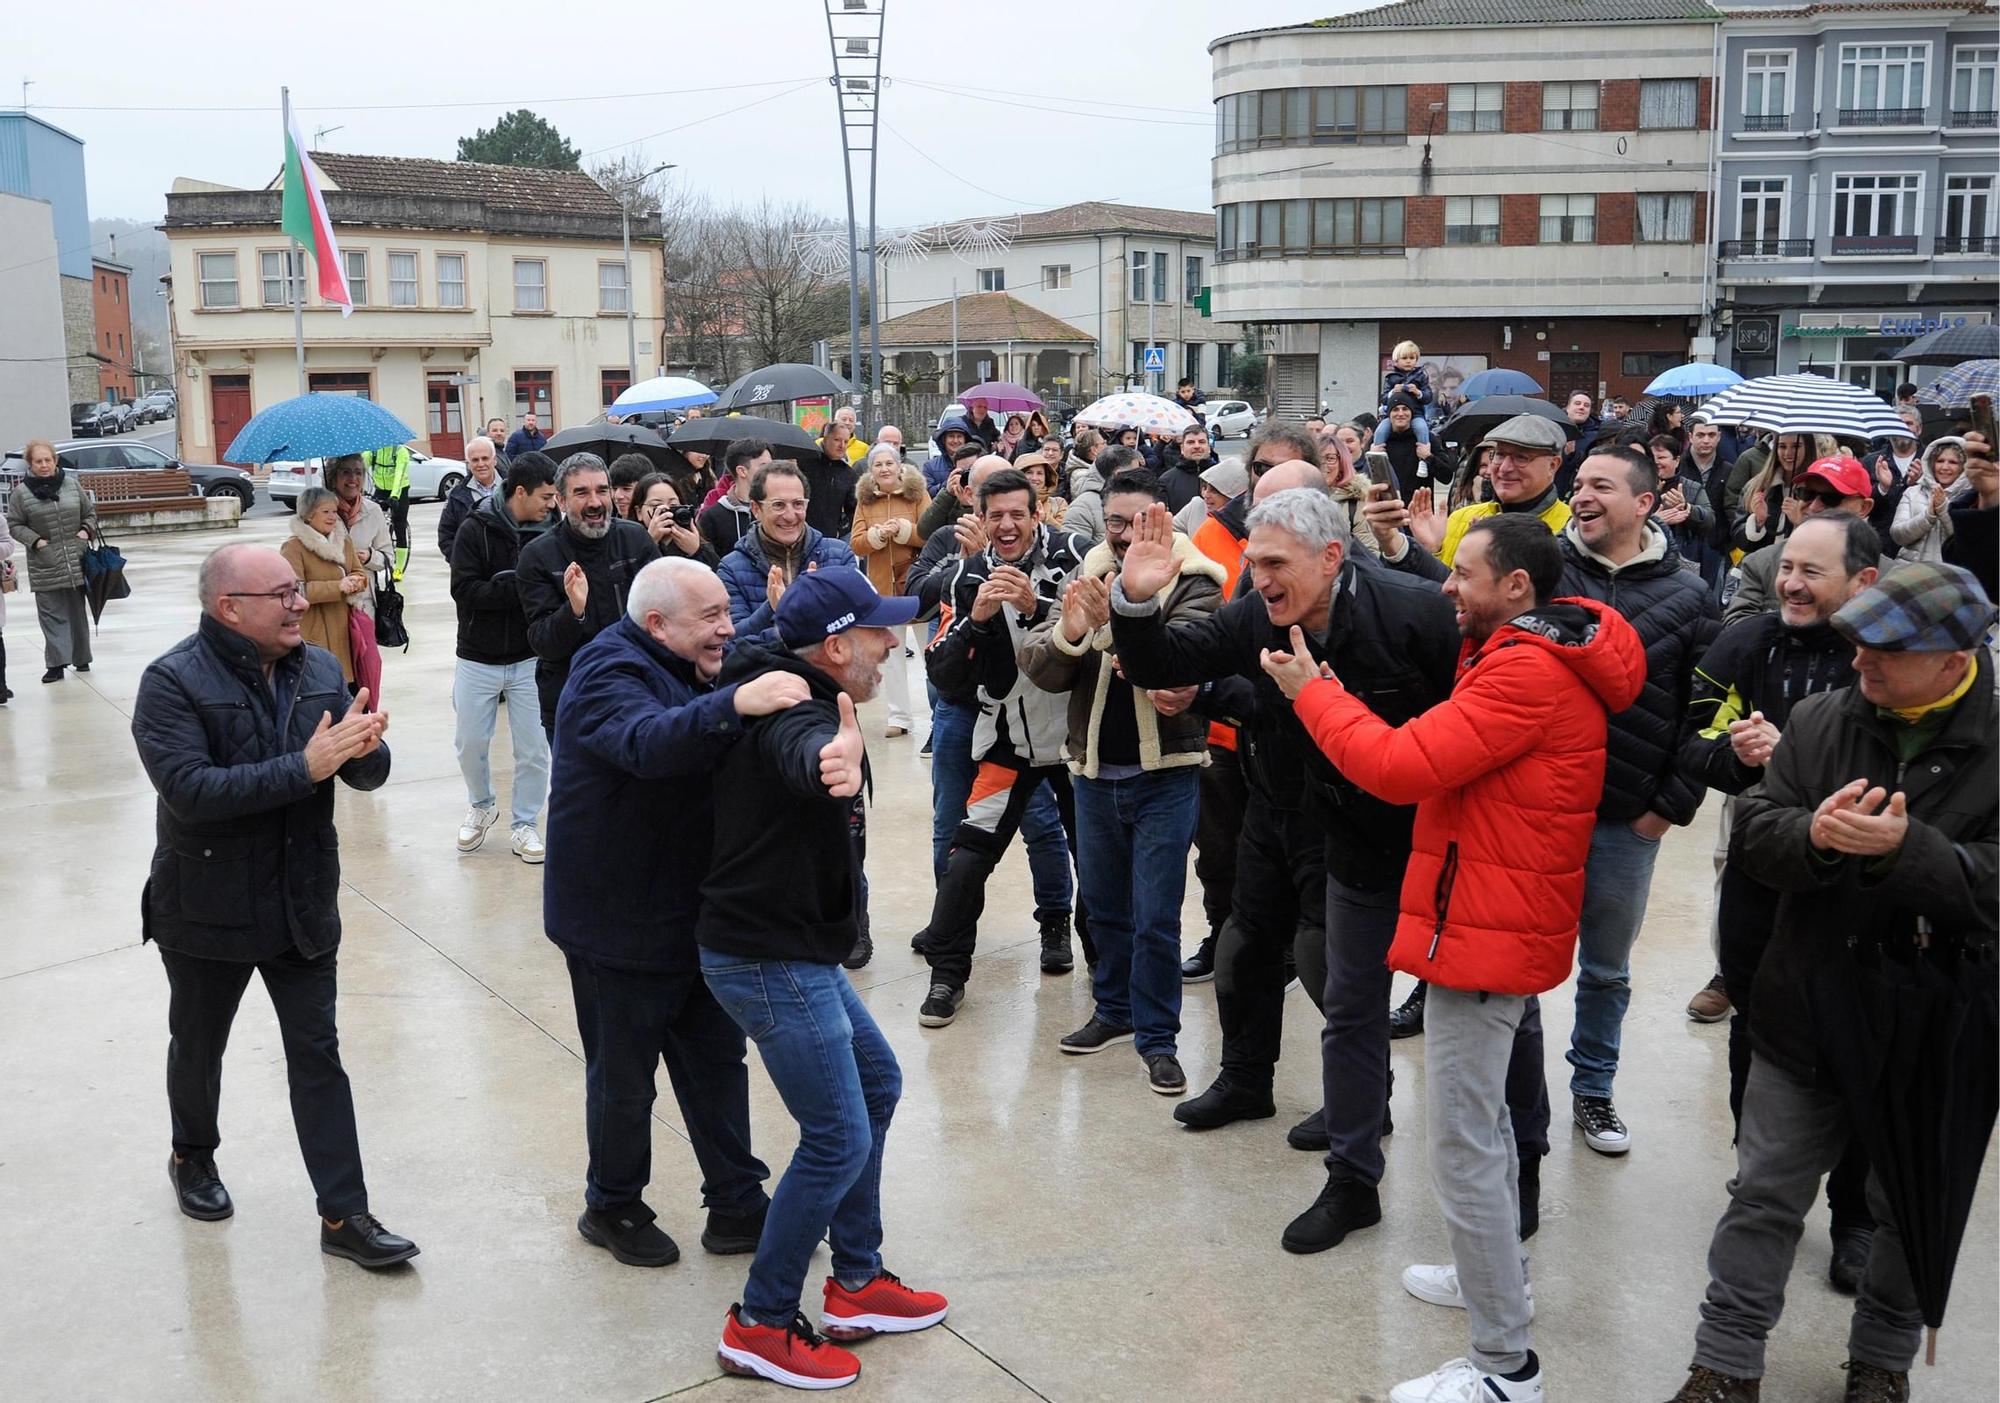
1433	714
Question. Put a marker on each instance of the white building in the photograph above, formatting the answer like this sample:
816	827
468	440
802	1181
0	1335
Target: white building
34	391
479	291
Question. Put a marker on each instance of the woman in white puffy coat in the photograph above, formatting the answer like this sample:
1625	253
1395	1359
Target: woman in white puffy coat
1923	516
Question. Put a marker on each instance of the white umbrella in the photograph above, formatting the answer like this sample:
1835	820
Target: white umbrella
662	392
1135	410
1806	404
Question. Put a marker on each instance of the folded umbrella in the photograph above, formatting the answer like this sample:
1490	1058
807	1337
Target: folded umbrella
714	435
317	426
103	574
780	384
1956	387
1002	396
1498	381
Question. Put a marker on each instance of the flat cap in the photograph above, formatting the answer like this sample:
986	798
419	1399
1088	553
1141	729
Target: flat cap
1919	607
1529	431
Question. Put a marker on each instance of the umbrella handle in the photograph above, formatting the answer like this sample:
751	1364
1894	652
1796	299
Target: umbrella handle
1930	1348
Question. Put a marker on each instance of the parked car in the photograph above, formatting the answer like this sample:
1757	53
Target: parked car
1230	418
156	405
85	457
101	420
430	478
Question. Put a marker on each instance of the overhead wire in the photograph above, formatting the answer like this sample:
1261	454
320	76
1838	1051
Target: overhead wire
511	102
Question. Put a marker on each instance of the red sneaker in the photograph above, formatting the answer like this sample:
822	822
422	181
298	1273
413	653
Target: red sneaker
884	1306
793	1356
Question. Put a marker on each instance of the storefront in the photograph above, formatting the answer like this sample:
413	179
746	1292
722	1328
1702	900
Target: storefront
1858	347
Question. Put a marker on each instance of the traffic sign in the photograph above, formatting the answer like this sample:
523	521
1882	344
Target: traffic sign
463	380
1156	358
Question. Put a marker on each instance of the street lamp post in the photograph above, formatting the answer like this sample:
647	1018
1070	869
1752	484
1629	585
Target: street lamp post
1430	127
625	230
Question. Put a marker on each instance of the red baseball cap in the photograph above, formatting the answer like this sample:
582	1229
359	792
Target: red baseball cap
1843	474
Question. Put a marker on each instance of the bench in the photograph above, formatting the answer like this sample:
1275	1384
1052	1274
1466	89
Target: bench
122	493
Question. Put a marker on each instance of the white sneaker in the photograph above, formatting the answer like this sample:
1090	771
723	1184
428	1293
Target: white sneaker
528	843
1439	1286
1458	1381
472	828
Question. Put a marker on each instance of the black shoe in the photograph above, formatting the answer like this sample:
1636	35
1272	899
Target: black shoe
1529	1191
861	954
1850	1260
1056	958
201	1193
1225	1103
733	1234
1408	1020
54	674
1342	1206
1164	1074
921	941
941	1007
627	1233
1598	1119
83	667
360	1238
1094	1036
1309	1134
1199	967
926	748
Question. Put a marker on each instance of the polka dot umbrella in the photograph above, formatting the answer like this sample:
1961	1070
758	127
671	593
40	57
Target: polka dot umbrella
1133	409
316	426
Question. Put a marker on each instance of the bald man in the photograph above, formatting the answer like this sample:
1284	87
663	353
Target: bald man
242	727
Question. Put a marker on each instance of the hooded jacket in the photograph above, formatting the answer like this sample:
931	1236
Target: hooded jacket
1180	478
492	626
1917	531
1085	516
785	881
724	522
1084	670
888	566
938	466
1506	776
555	632
746	573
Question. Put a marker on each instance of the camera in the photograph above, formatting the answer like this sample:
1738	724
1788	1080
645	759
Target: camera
684	517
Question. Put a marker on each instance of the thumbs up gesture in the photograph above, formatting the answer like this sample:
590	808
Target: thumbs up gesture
840	759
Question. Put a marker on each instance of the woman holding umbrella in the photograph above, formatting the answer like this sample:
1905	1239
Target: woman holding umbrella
51	516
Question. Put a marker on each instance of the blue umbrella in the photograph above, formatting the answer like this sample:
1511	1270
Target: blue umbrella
663	392
1498	382
1955	388
1694	381
316	426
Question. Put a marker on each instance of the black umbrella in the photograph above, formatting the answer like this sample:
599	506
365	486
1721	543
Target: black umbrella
778	384
1949	345
607	441
1482	416
713	436
1915	1048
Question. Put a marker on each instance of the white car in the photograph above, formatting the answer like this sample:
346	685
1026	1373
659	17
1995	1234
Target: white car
430	478
1230	418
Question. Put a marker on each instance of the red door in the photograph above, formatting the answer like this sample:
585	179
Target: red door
445	418
229	409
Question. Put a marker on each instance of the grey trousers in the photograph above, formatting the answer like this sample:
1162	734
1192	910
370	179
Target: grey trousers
1468	1041
1791	1135
65	618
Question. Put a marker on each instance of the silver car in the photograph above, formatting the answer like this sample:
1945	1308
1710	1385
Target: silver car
430	478
1229	418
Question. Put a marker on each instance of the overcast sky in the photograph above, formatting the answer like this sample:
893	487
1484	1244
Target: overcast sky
1054	101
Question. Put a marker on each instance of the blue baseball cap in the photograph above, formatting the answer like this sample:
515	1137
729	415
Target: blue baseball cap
821	603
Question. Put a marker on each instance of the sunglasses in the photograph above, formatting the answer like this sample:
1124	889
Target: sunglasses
1825	496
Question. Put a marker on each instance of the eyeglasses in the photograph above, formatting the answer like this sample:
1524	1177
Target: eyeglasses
284	596
1826	497
1118	525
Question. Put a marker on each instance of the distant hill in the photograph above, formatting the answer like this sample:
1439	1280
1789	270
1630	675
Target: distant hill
144	249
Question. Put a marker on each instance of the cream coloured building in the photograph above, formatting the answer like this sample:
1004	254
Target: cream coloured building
479	291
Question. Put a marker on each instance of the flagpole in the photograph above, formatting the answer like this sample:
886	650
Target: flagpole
298	262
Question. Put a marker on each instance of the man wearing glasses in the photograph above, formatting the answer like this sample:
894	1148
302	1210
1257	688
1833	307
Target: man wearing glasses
242	727
1835	484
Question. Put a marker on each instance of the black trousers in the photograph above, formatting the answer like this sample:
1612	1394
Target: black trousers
1279	906
629	1020
1001	789
200	1010
1217	833
398	508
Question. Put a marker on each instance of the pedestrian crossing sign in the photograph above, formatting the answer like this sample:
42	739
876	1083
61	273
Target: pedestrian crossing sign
1156	358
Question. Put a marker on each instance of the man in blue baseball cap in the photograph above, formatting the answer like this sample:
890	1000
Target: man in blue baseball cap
779	912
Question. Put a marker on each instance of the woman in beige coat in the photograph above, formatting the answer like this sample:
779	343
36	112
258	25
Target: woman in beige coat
330	568
888	500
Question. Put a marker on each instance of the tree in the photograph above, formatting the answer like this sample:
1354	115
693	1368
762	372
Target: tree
632	181
1246	368
520	139
786	308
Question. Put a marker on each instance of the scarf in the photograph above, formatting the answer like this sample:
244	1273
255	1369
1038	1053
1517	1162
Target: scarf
1915	715
47	489
789	559
325	547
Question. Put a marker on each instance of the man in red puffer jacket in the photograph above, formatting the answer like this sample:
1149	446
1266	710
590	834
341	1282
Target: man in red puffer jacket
1506	777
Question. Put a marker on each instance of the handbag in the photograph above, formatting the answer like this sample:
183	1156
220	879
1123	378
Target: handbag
9	581
390	631
366	655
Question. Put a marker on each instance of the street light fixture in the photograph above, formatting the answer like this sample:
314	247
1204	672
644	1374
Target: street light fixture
625	227
1430	127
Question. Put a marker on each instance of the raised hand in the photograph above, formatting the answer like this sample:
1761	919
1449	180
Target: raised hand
1086	606
840	758
770	692
576	585
334	743
1291	671
971	533
1149	565
774	586
1753	739
1385	514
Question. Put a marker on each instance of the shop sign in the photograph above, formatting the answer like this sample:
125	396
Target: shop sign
1887	325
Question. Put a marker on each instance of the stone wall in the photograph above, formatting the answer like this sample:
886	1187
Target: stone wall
80	339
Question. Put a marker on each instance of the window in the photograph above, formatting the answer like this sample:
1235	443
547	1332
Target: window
1315	228
1191	277
356	260
1225	231
1159	277
118	291
534	393
451	279
402	279
1760	216
1569	219
1876	208
1569	107
531	285
1310	116
1973	78
1666	219
217	274
1767	89
1139	276
1472	219
1883	83
281	272
340	382
1191	361
612	292
611	384
1055	277
1472	107
1644	365
1667	104
1968	215
992	279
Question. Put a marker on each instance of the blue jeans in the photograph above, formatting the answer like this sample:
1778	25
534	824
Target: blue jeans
952	769
1615	882
841	1083
1132	838
476	690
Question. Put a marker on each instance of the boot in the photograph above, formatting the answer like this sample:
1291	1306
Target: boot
1705	1385
1408	1020
1056	958
1869	1383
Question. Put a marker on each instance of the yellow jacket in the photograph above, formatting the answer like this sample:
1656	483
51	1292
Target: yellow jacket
1555	516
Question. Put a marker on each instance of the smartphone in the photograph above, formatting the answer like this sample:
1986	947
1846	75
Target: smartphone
1379	471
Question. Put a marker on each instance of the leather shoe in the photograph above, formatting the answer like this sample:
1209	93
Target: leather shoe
1224	1103
1344	1205
360	1238
628	1234
733	1234
1309	1134
1850	1260
201	1193
1406	1020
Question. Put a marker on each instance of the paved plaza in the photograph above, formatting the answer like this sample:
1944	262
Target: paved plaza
1091	1248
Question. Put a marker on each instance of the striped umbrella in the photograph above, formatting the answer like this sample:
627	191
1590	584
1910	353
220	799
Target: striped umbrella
1806	404
1955	388
1134	410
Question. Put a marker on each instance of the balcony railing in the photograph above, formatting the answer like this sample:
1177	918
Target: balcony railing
1767	248
1966	243
1881	116
1767	121
1974	117
1881	245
